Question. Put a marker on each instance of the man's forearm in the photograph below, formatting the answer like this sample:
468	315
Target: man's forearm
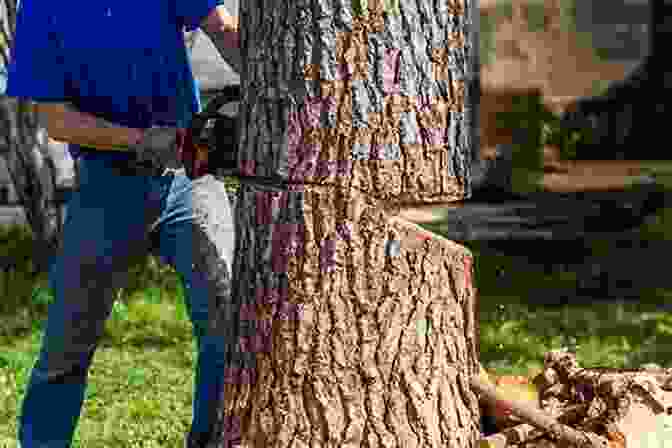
65	123
222	29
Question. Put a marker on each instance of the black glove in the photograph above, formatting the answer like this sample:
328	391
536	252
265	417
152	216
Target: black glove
160	148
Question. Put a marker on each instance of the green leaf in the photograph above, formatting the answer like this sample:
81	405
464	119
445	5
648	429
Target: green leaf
568	16
42	296
526	180
392	7
137	377
153	295
504	10
664	328
360	7
424	327
536	16
119	311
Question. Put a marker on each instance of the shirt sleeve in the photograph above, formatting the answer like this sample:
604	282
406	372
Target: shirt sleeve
37	68
192	12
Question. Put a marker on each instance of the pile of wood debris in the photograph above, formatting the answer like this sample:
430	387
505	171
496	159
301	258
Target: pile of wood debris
591	407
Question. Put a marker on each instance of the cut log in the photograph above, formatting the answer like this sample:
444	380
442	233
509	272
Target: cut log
357	328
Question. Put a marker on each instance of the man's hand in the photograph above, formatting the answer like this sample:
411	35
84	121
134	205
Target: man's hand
222	29
160	148
194	157
168	147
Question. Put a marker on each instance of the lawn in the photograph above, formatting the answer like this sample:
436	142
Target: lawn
142	376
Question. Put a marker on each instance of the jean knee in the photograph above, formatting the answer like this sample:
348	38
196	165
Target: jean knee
200	323
214	347
60	367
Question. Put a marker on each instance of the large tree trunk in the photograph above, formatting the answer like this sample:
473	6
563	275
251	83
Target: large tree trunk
350	327
379	101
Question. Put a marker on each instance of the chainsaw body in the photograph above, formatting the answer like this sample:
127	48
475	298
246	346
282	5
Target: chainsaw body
217	132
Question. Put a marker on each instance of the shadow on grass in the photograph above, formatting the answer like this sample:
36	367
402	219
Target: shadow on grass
518	325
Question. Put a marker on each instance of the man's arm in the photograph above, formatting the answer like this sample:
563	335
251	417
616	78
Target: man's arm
222	29
67	124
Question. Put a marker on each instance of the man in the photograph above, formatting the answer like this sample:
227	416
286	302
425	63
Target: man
112	79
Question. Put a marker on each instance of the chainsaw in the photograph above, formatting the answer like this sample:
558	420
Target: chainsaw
213	133
216	134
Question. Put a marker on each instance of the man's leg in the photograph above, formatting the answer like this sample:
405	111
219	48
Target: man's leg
196	236
106	224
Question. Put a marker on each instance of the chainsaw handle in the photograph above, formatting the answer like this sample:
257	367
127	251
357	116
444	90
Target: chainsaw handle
228	94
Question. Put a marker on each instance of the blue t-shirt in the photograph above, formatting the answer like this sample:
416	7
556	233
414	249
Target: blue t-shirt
121	60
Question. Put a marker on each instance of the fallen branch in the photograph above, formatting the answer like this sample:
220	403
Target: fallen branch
526	433
538	418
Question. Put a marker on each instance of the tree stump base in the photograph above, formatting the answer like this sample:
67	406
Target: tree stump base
357	328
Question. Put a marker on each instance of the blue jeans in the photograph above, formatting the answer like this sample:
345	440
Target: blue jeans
113	220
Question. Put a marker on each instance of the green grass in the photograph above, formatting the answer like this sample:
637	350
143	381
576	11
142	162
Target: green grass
138	396
536	16
515	333
142	377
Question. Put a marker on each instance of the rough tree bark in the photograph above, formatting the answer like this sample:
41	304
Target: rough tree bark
24	145
349	326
